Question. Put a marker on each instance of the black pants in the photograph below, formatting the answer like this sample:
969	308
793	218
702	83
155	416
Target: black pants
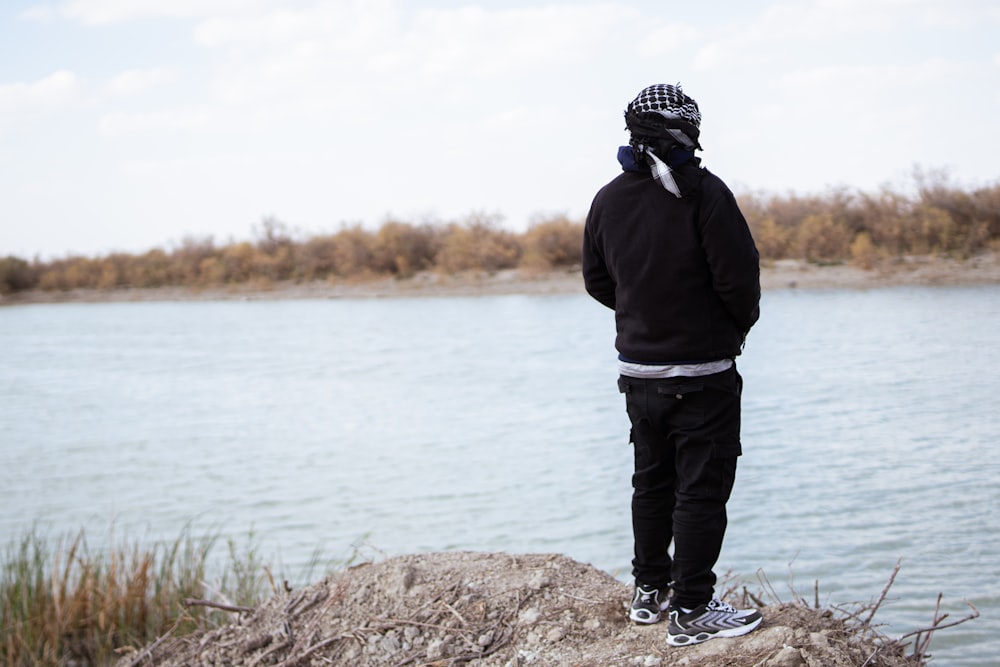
686	435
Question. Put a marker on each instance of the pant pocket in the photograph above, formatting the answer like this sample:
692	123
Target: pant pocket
681	406
726	448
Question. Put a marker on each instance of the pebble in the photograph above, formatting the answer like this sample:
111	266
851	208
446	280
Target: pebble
555	634
529	615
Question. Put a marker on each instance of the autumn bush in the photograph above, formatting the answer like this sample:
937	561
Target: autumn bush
273	257
188	258
316	258
936	218
478	243
551	243
402	249
16	274
930	217
353	249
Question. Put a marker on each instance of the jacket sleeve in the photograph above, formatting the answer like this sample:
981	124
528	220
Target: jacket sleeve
596	277
732	256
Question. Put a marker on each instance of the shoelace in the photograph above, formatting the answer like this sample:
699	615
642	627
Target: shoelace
719	605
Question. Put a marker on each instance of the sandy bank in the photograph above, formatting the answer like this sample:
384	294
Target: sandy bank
783	274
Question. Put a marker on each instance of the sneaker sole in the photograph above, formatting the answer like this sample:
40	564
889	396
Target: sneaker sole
643	616
699	637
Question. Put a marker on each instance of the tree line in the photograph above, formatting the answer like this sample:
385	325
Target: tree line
842	225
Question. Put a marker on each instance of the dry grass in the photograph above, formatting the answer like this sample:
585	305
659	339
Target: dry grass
67	603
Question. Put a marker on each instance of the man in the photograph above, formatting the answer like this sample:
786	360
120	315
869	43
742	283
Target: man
666	246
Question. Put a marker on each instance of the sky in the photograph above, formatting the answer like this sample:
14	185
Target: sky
132	124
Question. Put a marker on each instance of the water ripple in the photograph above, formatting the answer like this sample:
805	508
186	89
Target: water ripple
870	425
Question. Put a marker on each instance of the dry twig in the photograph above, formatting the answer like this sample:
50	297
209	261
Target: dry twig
236	609
293	660
766	585
885	592
148	651
791	584
923	635
576	597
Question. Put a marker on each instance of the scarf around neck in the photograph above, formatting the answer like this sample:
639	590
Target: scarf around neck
664	124
663	172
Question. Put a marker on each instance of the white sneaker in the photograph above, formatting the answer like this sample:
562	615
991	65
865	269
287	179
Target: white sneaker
647	603
708	621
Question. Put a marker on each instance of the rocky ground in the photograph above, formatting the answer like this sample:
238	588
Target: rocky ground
499	610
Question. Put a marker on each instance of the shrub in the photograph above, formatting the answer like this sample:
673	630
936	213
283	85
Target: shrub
16	274
237	263
402	249
151	269
274	258
315	259
352	252
551	243
885	215
478	243
863	252
821	238
187	259
112	270
986	205
773	242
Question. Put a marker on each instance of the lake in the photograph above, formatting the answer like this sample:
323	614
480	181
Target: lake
386	426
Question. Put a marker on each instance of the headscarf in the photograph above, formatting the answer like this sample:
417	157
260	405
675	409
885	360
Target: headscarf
664	124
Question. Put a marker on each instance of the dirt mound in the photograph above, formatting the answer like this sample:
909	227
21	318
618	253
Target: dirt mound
494	610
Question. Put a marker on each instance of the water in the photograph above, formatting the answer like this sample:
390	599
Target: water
871	423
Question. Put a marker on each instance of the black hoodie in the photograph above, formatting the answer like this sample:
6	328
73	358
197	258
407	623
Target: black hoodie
682	274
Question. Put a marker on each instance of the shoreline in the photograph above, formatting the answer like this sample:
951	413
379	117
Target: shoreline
781	274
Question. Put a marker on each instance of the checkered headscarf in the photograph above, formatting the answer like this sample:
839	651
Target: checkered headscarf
668	101
660	119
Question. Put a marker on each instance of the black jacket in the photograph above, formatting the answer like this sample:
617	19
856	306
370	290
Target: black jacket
682	275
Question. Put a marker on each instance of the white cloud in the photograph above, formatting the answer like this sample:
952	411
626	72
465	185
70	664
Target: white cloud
56	89
712	56
373	58
849	80
669	39
499	42
970	13
864	99
302	99
510	118
261	30
833	25
132	81
38	13
119	123
103	12
755	42
956	13
432	39
270	60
